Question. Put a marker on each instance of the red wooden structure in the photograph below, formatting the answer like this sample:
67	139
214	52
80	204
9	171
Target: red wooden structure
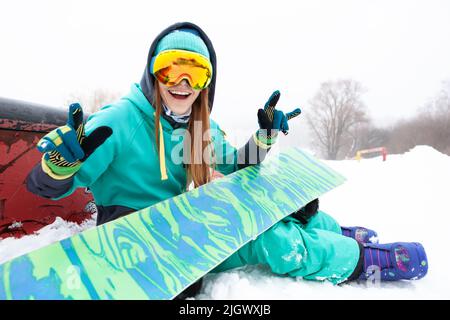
381	150
22	124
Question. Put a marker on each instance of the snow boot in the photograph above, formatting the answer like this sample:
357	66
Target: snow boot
393	261
360	234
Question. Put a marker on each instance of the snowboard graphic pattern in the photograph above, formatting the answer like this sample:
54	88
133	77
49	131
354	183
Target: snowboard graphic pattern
157	252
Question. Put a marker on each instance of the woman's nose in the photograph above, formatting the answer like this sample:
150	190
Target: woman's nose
185	83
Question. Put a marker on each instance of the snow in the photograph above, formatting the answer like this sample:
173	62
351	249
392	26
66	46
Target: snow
58	230
404	199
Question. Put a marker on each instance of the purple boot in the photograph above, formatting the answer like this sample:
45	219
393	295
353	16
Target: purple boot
360	234
394	261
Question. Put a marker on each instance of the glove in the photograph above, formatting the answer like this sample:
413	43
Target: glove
67	147
305	213
271	121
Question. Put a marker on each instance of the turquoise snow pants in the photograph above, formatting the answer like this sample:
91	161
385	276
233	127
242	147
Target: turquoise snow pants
315	251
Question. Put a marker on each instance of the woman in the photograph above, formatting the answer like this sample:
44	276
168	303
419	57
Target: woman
159	139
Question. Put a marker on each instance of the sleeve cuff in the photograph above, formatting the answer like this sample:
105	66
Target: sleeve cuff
262	141
50	173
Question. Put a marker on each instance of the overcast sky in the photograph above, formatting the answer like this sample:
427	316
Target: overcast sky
399	50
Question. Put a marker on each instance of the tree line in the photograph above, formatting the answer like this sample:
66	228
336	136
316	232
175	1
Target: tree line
340	124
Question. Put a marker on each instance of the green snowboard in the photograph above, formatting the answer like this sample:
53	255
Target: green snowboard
157	252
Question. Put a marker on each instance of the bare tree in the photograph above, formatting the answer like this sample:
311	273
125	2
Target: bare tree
92	102
440	109
335	110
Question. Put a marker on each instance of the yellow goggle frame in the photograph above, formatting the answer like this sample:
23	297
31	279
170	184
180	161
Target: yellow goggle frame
170	67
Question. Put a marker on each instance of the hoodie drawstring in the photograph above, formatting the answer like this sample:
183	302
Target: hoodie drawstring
162	157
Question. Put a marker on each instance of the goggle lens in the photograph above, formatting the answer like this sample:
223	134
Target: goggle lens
172	66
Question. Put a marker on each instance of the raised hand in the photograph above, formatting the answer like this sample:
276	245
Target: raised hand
271	120
67	147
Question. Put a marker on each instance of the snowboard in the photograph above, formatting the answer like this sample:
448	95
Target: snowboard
157	252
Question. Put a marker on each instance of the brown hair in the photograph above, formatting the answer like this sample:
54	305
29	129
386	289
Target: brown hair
199	144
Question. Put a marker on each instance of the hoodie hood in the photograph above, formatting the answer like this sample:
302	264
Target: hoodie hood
148	79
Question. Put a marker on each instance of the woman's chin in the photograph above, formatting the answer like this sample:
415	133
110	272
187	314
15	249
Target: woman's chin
179	108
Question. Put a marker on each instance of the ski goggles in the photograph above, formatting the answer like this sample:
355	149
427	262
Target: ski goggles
170	67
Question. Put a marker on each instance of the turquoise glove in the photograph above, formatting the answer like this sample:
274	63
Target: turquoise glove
271	120
66	148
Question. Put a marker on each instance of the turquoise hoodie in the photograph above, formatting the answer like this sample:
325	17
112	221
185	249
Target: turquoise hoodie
126	169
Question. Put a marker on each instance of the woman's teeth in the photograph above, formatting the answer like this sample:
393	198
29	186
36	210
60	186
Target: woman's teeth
179	94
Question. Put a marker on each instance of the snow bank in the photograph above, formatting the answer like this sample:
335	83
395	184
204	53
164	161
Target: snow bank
58	230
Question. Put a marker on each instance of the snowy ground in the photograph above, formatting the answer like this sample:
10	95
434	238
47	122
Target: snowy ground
60	229
405	198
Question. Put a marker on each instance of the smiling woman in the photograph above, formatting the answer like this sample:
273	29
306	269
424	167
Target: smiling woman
126	154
